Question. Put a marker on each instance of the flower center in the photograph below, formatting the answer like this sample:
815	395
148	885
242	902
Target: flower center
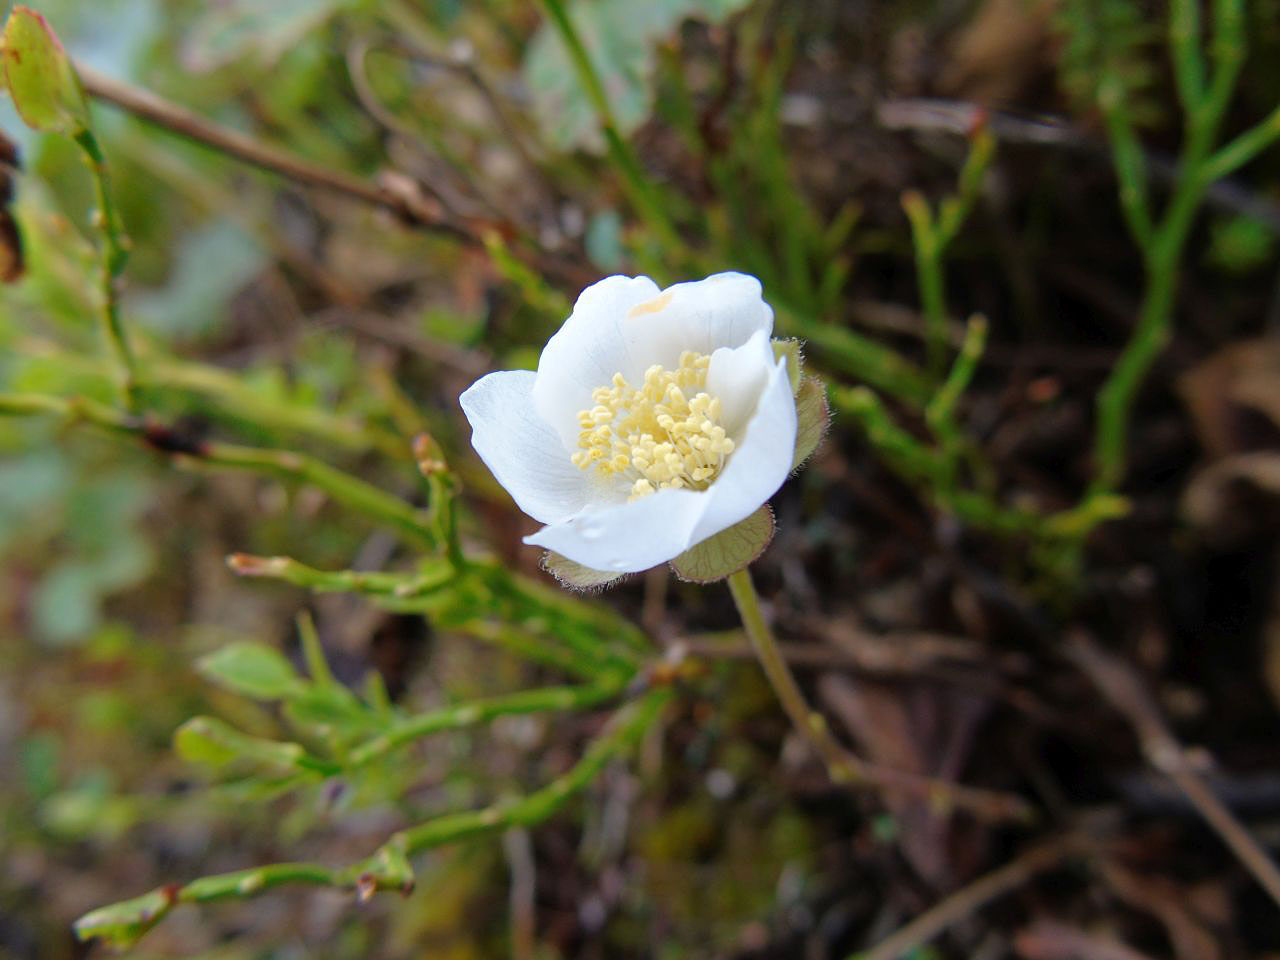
656	435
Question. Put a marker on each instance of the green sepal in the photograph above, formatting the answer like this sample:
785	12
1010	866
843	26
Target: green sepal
253	670
792	351
813	417
727	552
40	77
123	924
574	575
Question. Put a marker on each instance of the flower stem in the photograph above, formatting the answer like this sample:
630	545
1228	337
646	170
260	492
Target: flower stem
842	765
811	725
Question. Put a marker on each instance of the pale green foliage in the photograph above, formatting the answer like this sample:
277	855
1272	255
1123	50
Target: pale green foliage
227	32
620	37
252	670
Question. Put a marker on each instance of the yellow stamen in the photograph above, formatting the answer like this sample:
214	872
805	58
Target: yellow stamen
664	435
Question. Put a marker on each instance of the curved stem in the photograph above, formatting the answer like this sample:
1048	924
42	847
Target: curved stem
842	765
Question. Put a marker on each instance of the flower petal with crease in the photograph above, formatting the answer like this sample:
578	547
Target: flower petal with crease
724	310
521	449
587	351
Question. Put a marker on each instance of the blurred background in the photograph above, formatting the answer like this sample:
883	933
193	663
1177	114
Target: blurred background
927	574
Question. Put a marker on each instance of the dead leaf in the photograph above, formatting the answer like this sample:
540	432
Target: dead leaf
999	52
1234	397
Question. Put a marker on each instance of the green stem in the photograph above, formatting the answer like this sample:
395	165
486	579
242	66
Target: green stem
929	280
1128	160
551	629
623	732
639	190
940	413
1184	45
1163	244
401	585
1243	148
941	408
115	254
475	712
412	524
931	237
222	395
809	724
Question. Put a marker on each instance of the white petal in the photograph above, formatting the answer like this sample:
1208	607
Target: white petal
724	310
524	453
627	537
737	376
587	351
759	464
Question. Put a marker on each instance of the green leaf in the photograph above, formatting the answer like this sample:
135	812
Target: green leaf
123	924
229	31
813	417
330	712
728	551
208	742
574	575
40	76
620	37
253	670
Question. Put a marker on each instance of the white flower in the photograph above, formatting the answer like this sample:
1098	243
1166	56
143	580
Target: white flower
655	420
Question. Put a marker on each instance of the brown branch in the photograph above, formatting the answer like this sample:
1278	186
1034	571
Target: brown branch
968	900
416	210
1126	692
395	192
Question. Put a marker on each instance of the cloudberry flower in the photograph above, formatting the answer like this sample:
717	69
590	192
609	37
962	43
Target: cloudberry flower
656	419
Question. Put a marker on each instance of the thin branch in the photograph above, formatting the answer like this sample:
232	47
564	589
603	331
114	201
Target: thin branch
419	211
1126	692
968	900
843	766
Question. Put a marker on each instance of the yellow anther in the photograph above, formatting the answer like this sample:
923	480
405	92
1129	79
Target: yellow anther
665	435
